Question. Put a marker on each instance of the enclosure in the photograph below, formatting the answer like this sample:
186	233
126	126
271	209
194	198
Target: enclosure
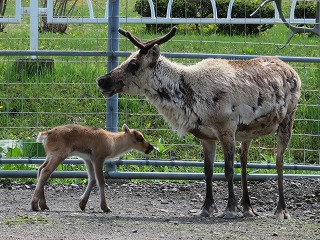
52	52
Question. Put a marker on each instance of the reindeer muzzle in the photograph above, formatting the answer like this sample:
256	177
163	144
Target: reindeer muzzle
109	87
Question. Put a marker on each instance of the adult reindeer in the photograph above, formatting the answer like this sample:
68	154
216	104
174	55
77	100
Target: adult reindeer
215	99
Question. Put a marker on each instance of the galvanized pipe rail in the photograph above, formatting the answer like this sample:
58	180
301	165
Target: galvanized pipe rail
166	54
112	173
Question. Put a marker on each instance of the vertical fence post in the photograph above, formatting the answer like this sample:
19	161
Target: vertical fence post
113	45
34	18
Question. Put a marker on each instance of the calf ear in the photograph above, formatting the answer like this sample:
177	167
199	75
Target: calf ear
125	128
153	54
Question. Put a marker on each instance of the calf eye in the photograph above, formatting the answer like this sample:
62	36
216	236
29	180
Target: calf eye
139	139
133	66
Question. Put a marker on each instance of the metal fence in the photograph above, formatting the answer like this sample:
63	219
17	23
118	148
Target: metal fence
37	100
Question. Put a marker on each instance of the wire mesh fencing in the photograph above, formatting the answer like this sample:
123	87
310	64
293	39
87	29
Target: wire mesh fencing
53	82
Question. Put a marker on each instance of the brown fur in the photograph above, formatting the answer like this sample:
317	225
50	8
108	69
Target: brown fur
94	145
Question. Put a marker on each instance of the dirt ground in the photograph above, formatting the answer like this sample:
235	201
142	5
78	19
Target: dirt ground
158	210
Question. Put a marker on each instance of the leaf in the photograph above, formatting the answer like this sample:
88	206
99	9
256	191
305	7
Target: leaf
14	152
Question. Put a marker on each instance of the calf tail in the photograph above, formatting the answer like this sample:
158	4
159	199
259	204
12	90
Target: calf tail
42	136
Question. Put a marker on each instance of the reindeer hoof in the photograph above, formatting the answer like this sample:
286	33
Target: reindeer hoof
34	206
228	215
82	205
249	213
204	213
36	209
43	206
282	215
107	210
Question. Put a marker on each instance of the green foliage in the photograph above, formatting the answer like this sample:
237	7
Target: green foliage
14	152
180	9
203	9
305	9
162	149
243	9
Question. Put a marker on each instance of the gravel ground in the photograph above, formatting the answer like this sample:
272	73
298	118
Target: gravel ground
158	210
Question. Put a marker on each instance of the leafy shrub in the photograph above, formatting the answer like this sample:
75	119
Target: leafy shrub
3	7
61	8
243	9
305	9
180	9
194	9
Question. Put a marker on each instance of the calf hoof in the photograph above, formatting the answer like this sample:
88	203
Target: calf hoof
43	206
34	206
106	209
82	205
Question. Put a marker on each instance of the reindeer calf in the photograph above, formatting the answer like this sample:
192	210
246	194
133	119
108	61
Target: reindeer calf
93	145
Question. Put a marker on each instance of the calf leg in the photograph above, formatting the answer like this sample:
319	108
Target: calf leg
98	170
248	211
91	182
209	149
283	138
44	172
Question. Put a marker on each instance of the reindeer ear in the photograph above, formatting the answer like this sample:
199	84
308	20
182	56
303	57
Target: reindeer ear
153	54
125	128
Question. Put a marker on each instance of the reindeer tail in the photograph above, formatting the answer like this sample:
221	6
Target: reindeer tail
42	136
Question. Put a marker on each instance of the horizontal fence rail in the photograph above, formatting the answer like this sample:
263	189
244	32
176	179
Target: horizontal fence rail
112	173
166	54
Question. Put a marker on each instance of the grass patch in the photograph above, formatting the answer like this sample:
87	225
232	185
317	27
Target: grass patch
26	220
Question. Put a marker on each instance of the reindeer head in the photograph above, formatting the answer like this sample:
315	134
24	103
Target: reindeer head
136	140
128	77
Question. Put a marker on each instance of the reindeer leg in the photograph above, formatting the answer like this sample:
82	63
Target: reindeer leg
248	211
209	149
283	138
98	169
91	182
227	140
38	193
44	173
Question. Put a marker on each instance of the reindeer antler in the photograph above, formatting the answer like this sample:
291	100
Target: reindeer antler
294	29
145	46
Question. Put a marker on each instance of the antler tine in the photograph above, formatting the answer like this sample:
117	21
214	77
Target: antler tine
137	42
159	40
164	38
145	46
294	29
260	7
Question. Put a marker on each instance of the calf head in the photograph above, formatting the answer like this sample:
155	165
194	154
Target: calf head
136	140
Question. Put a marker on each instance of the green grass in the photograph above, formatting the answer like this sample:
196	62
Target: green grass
30	103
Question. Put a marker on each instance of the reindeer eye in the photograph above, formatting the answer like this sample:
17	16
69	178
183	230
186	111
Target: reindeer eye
133	66
139	139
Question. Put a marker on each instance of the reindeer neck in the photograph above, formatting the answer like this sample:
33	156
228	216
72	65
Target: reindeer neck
119	144
170	93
